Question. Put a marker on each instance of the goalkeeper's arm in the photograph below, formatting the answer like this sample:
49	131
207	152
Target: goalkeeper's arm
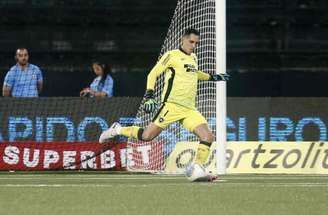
216	77
150	103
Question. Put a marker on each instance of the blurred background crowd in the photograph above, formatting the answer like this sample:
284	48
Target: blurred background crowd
274	47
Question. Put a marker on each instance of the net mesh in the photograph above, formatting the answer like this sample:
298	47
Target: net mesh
198	14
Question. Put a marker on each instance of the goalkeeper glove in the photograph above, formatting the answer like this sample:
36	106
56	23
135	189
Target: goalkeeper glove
220	77
150	103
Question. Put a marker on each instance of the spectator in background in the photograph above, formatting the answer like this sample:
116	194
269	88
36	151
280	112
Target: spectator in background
23	79
102	85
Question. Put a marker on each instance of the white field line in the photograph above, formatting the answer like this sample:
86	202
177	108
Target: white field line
160	184
238	177
269	177
111	177
277	184
95	178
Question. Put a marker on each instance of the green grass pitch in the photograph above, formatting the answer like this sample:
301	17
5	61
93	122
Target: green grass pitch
104	193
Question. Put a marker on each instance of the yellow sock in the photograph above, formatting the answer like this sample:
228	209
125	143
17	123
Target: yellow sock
131	131
202	153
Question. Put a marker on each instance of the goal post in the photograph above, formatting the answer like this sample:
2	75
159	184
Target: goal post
208	16
221	104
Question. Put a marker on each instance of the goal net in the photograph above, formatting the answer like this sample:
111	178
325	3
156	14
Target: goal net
198	14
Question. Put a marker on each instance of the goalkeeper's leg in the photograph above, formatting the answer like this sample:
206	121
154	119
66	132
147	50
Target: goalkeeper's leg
136	132
196	123
206	138
144	134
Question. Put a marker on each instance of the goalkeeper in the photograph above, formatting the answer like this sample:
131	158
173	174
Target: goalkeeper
178	98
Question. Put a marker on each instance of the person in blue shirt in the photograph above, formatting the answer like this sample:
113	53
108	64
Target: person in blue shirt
23	79
102	85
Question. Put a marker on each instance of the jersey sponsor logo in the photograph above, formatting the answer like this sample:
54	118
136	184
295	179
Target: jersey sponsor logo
190	68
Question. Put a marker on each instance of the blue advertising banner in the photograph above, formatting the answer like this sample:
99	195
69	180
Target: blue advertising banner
83	119
61	119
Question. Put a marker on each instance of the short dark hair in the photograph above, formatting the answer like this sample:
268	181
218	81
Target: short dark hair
21	48
191	31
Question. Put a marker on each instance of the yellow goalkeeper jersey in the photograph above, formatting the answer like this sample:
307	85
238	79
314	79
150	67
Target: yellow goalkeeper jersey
181	76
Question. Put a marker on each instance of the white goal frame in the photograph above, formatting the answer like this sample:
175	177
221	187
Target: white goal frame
221	97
